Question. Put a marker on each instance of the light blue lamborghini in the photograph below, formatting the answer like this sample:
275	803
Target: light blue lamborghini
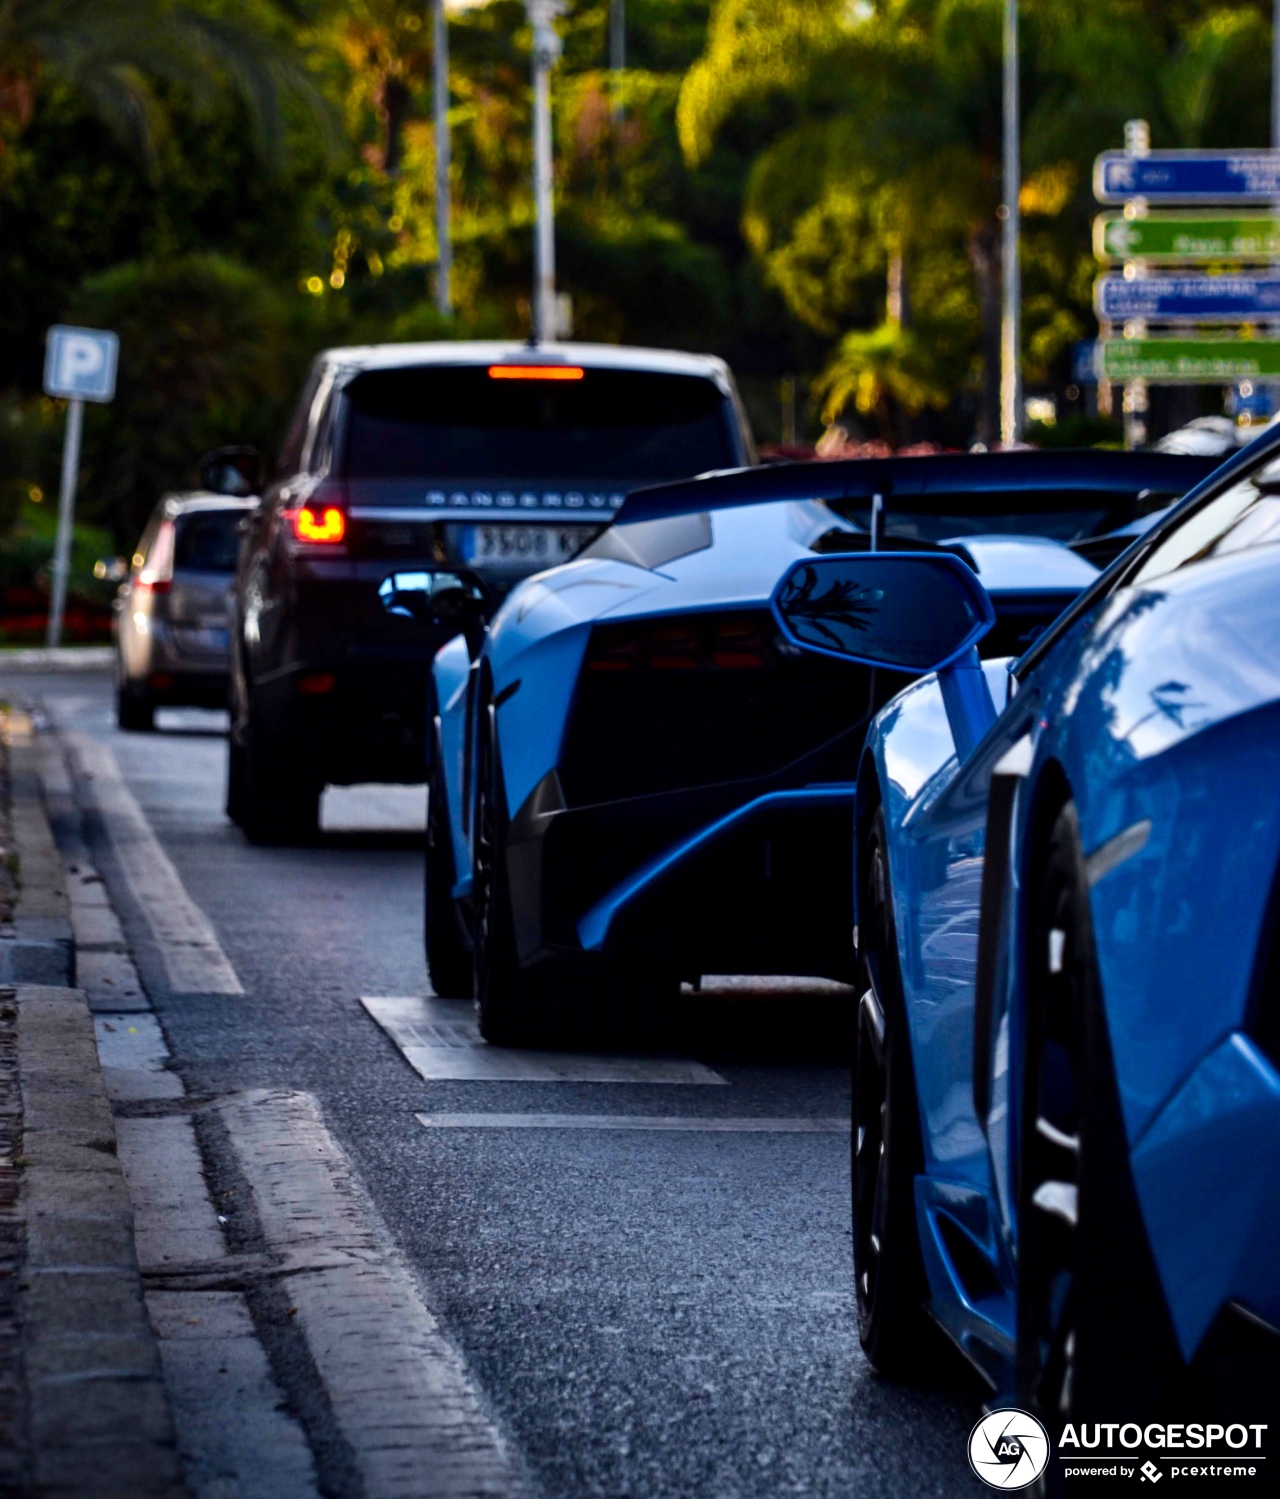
1067	1093
635	779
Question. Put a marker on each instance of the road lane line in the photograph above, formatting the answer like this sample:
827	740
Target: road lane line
691	1124
440	1041
399	1392
193	958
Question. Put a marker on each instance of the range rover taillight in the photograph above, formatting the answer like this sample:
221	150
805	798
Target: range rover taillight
322	519
327	525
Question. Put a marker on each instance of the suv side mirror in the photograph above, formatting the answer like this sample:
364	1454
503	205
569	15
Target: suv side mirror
239	472
906	611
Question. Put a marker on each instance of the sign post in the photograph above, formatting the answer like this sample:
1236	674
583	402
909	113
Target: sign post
79	366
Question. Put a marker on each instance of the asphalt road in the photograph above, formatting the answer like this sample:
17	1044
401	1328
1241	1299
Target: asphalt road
650	1312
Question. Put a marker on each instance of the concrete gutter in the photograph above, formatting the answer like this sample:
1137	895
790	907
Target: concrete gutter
64	658
98	1422
37	946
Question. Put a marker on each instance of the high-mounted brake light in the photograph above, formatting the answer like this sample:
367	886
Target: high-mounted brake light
327	525
535	372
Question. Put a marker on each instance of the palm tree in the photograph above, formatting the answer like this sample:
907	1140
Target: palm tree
902	98
113	55
884	118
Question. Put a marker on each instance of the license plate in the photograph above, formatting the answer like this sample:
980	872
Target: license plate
522	548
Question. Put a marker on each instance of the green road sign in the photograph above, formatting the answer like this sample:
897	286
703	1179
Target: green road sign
1184	239
1208	361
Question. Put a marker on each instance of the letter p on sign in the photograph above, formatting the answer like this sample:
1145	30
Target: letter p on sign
80	364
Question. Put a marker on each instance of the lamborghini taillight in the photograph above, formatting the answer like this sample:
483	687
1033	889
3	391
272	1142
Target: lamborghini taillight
692	643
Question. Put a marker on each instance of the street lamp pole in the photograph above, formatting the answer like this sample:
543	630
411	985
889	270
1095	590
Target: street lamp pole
618	52
1010	331
444	241
546	52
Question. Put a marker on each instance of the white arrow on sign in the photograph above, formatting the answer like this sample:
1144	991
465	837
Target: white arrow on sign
1119	237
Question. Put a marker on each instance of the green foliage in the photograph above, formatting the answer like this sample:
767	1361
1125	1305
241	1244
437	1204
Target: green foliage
205	359
26	555
113	57
806	188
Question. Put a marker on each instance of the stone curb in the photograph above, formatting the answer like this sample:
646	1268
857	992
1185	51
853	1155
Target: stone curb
64	658
99	1421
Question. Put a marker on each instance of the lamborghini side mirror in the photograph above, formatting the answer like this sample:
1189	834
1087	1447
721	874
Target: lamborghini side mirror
907	611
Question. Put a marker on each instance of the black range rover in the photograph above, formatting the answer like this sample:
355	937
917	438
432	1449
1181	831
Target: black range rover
417	483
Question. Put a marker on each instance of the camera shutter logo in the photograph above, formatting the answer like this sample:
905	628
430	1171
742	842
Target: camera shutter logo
1008	1449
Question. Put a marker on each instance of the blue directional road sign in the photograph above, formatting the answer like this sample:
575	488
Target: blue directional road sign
1188	177
80	363
1188	299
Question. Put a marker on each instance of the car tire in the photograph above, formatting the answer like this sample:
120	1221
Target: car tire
887	1153
135	710
278	802
236	758
1095	1341
515	1006
449	964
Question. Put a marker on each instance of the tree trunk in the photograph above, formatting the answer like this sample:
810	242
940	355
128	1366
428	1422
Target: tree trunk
393	108
896	289
984	256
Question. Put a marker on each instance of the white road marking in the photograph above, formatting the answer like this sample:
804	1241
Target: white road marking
193	959
733	986
132	1052
690	1124
374	809
209	721
439	1040
399	1392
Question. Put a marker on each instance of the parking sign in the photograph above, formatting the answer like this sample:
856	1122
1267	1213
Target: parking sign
80	363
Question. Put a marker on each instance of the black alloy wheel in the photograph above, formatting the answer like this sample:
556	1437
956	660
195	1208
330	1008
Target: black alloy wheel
1094	1336
1049	1197
448	957
236	767
503	994
887	1151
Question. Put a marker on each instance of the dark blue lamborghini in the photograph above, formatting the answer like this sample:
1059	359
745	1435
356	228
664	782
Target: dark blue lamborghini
636	779
1067	1097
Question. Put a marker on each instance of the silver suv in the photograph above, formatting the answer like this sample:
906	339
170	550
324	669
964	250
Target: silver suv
171	613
